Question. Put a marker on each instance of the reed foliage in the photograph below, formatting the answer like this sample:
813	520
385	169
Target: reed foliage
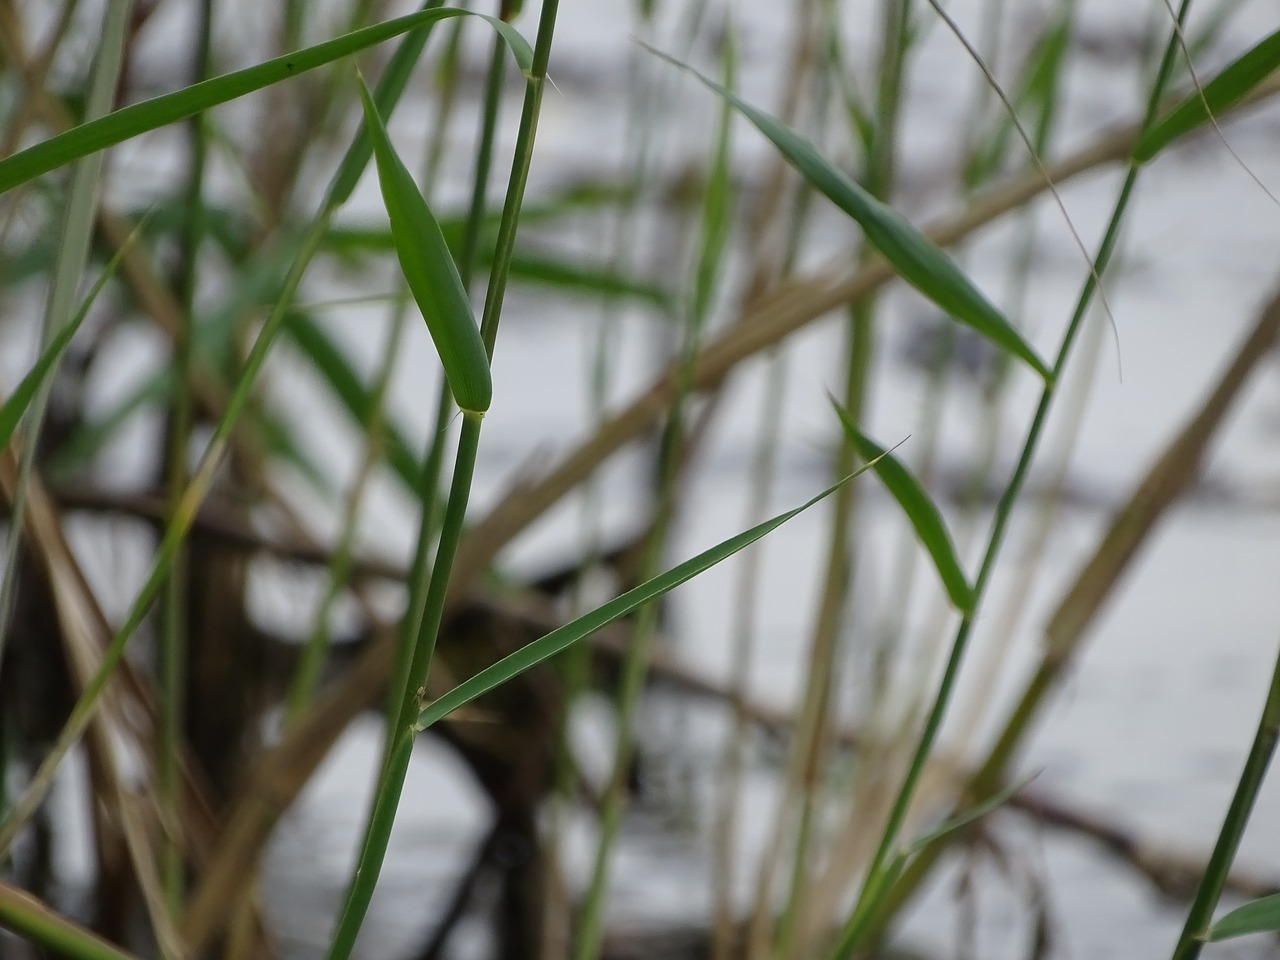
254	205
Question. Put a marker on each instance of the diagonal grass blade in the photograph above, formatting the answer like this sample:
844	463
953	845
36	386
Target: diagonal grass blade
912	255
564	637
1236	81
920	510
140	118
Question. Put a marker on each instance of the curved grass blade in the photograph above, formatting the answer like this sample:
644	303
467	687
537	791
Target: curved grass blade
15	406
33	920
879	885
160	111
920	510
89	438
430	272
1236	81
1258	916
347	387
966	817
564	637
915	258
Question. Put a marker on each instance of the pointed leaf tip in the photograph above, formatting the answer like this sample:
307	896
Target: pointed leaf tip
920	510
430	272
915	258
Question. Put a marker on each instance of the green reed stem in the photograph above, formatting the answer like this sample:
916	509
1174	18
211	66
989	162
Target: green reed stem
433	462
403	732
403	729
74	240
635	668
1196	930
171	655
879	878
838	585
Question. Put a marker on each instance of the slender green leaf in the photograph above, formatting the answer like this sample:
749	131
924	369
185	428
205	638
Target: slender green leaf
332	364
920	510
912	255
1233	84
585	280
33	920
89	437
536	269
15	406
564	637
966	817
1259	916
430	272
139	118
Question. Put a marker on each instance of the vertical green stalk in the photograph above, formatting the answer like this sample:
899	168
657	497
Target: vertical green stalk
434	458
171	649
404	726
73	253
644	90
1196	930
714	228
860	351
880	874
433	462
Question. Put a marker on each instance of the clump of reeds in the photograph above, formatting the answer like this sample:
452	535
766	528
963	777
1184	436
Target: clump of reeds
167	692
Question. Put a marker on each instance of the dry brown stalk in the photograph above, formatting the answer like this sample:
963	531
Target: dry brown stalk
84	637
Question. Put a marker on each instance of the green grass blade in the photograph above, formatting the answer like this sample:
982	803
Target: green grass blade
34	921
1233	84
354	395
586	281
564	637
430	272
920	510
917	261
1258	916
963	819
538	269
91	436
15	406
160	111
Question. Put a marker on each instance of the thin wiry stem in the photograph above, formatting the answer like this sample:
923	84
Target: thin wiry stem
403	727
879	875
